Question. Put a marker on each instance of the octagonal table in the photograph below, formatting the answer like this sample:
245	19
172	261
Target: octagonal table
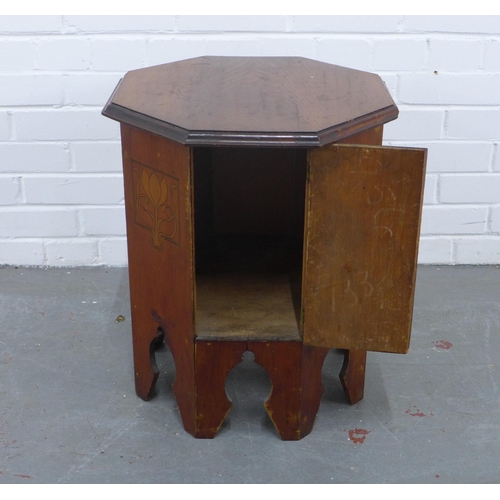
264	215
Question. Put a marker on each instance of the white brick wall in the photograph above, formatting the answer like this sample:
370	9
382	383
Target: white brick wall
61	193
4	126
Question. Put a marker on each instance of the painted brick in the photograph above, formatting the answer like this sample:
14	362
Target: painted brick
415	125
454	55
470	188
37	89
103	221
231	23
118	54
435	250
453	24
399	55
9	190
455	114
217	45
63	53
352	53
492	55
251	46
484	250
63	124
74	189
176	48
429	88
34	222
4	126
97	156
287	46
470	124
391	82
495	219
90	88
16	55
67	253
456	156
22	252
430	190
30	157
441	220
346	24
119	24
113	252
30	24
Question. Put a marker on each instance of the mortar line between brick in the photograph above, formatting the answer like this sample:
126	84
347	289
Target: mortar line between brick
21	190
44	251
454	244
96	259
488	220
493	160
79	223
10	126
387	35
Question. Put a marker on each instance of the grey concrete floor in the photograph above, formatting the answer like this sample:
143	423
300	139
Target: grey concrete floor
69	413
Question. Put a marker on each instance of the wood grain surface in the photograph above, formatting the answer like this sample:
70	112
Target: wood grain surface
214	360
352	375
160	259
295	373
353	372
237	306
277	101
363	220
246	206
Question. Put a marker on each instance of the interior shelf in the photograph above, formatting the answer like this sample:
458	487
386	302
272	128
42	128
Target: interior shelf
243	306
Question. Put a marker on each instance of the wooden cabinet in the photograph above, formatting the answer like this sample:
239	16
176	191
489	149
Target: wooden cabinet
263	214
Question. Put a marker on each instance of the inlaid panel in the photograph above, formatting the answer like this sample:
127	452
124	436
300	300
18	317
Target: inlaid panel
156	204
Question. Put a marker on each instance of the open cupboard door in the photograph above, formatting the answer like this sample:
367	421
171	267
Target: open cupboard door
363	211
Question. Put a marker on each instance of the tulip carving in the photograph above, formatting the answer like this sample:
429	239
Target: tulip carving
154	207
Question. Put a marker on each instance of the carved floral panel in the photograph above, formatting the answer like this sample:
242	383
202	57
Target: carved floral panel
156	204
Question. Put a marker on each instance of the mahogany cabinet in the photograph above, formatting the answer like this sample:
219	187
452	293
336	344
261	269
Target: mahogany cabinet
263	214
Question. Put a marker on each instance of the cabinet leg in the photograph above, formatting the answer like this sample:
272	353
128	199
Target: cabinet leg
312	388
148	334
145	343
295	373
352	375
213	361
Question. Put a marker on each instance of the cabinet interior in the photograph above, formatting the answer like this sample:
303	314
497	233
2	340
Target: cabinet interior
249	234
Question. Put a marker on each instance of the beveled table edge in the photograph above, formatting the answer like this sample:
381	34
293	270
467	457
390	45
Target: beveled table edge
231	138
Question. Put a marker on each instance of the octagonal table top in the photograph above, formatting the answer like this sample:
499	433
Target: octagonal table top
274	101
